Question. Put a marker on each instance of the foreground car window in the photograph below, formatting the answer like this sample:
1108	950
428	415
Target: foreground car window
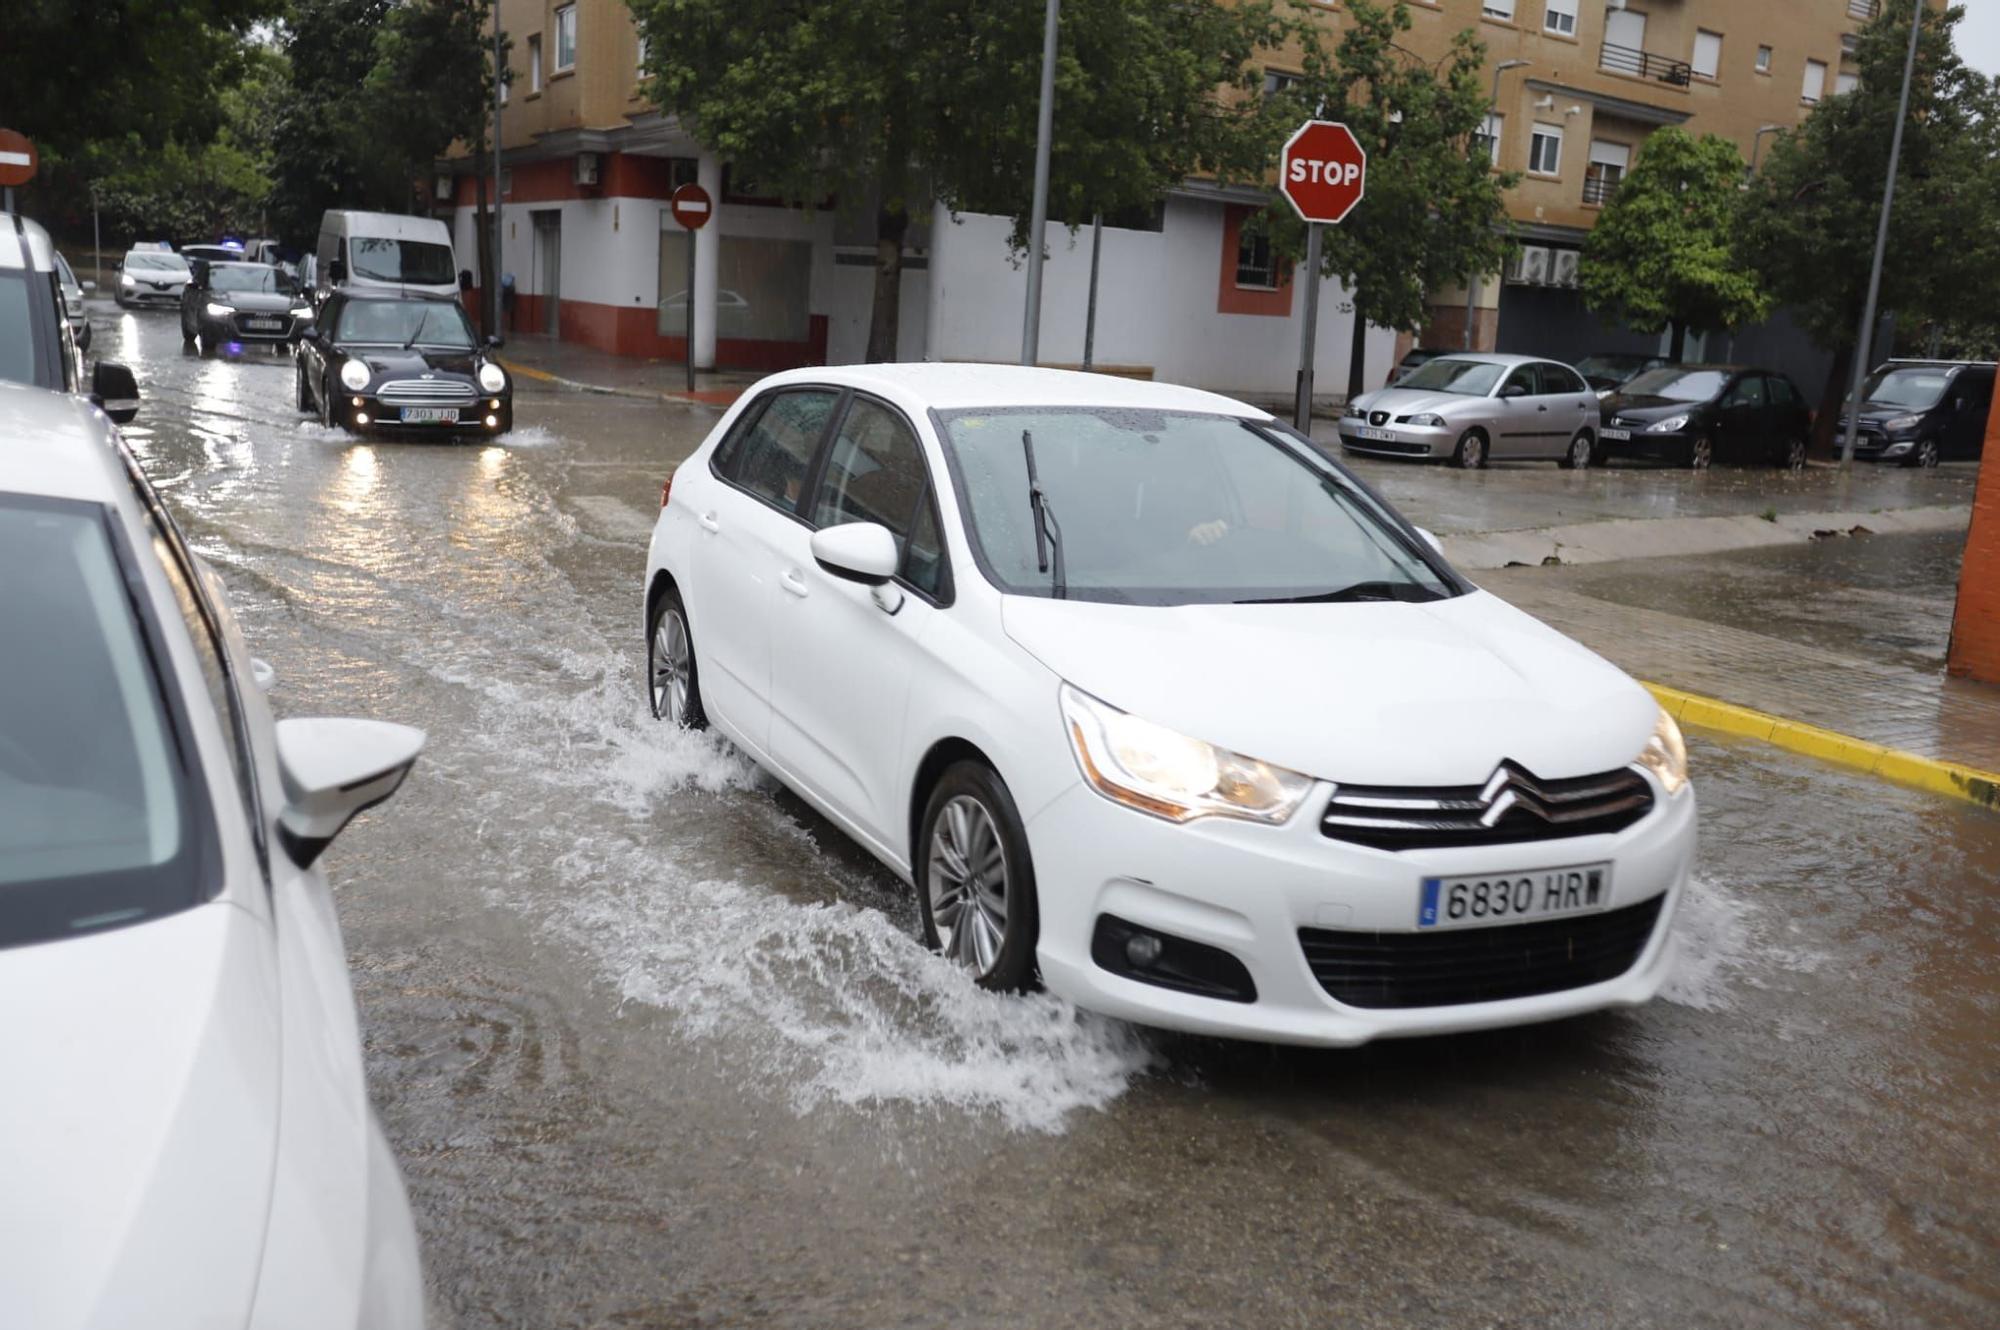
96	810
1678	385
1474	378
404	323
1154	508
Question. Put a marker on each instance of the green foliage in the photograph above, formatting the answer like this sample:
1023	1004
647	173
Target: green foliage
1663	254
1810	217
1435	212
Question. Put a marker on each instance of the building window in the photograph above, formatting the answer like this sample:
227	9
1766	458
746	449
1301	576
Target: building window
1607	167
1545	150
534	63
1256	266
1500	9
1814	86
1275	82
1845	83
1559	16
1763	60
565	38
1707	53
1487	138
641	61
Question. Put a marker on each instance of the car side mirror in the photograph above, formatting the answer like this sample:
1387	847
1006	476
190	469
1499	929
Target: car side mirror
114	390
861	552
1514	390
333	770
1430	539
493	339
336	271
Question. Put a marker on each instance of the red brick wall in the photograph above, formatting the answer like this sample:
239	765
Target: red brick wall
1975	628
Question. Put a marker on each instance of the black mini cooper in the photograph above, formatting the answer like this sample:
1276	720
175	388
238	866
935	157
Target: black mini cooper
402	364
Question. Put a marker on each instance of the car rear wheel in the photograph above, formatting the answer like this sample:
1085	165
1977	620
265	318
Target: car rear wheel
1578	456
1700	453
1470	454
301	389
672	681
1792	457
975	881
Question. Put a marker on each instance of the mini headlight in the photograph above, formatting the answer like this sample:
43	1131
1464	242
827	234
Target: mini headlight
491	377
1151	768
1429	418
1667	426
353	375
216	311
1666	754
1900	423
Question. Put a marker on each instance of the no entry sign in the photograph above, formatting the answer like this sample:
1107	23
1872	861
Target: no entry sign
1323	171
691	207
18	158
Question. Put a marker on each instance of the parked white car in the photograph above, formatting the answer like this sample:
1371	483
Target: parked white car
189	1137
1152	702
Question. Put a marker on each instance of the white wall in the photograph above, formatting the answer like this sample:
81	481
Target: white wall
1156	306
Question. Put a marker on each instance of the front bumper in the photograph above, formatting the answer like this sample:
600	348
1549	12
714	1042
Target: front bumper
1248	890
1646	447
1412	442
245	327
387	417
148	295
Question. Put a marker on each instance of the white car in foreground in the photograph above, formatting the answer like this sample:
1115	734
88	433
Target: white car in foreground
188	1136
1149	699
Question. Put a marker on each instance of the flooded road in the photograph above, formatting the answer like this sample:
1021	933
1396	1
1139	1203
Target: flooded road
656	1046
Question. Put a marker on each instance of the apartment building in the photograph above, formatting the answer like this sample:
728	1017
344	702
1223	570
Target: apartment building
1185	292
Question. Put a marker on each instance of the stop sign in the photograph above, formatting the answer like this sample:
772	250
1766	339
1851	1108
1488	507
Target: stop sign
1322	171
18	158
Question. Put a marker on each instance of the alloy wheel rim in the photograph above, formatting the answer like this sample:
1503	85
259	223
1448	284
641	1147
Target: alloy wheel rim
1579	452
1927	453
1473	449
967	879
1701	454
670	668
1795	456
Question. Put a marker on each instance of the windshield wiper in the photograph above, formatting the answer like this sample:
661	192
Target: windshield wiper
1398	591
1047	532
422	322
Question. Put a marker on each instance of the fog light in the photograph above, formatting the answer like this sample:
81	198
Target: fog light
1143	949
359	402
491	421
361	417
493	405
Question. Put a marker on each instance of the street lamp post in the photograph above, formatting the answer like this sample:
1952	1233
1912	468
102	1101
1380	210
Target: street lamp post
1757	146
1862	338
1492	104
1031	326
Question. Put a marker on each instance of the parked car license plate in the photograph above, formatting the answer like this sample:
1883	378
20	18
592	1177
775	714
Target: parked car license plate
1369	432
263	325
1505	898
1609	433
430	415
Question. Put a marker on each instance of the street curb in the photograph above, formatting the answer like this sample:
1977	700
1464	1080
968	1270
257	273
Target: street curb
576	385
1925	773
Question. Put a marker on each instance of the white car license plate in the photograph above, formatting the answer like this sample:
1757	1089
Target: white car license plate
1610	433
1368	432
1505	898
430	415
263	325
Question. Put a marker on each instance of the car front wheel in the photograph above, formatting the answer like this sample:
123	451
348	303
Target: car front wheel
1792	457
672	681
1700	453
1924	454
975	881
1470	454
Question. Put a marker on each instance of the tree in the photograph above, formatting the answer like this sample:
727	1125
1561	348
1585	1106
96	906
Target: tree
894	103
1809	218
1435	212
1663	253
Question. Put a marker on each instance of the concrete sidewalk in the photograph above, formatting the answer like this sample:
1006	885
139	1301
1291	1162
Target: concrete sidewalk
568	365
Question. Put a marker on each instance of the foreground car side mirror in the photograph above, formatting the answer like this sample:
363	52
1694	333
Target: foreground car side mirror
861	552
114	390
333	770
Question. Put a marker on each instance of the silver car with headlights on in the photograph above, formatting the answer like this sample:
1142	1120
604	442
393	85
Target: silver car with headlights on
1468	408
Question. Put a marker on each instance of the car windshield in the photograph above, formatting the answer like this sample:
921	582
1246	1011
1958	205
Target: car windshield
1171	508
1472	378
1678	385
156	260
415	261
1915	389
404	323
247	277
1608	367
96	824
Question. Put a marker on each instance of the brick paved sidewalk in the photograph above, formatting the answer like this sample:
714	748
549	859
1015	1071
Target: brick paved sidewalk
1917	711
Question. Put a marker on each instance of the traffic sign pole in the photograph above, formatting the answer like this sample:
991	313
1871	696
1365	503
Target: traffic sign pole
691	207
1302	417
1322	173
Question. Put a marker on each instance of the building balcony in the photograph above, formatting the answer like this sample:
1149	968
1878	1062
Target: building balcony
1597	190
1645	65
1863	9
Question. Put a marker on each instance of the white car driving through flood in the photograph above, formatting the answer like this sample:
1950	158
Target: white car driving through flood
1154	704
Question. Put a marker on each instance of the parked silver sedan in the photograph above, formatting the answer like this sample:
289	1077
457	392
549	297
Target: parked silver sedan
1466	408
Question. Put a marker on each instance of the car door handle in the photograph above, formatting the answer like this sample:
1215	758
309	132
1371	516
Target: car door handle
1542	406
794	581
708	522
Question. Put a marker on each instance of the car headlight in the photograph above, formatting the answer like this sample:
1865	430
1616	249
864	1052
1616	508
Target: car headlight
125	279
302	311
353	375
1353	411
491	377
1666	754
1151	768
1667	426
1429	419
1897	424
216	311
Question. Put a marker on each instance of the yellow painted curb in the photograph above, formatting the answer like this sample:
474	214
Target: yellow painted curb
528	371
1926	773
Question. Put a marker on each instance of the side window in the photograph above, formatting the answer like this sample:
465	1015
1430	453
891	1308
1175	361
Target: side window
772	459
1554	378
1521	381
1781	391
923	552
1749	391
874	471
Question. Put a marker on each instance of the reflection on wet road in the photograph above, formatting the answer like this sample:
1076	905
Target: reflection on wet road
656	1047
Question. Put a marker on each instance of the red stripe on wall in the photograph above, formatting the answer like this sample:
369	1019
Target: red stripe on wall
621	175
634	331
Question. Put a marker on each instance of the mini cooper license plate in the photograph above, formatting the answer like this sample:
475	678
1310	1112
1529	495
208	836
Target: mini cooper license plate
1609	433
1369	432
1506	898
430	415
263	325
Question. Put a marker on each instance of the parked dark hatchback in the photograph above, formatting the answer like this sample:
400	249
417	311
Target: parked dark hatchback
1692	415
1922	412
401	363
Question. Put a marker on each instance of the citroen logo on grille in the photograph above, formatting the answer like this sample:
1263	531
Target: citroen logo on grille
1508	788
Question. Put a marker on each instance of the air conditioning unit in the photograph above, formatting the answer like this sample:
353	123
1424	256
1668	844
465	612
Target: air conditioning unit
586	168
1562	268
1530	266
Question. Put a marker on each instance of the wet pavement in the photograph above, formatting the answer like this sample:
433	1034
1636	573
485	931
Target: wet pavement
656	1047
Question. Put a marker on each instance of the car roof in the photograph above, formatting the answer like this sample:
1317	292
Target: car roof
388	225
56	445
24	244
1494	357
953	385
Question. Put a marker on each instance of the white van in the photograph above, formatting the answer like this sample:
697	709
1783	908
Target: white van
384	251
